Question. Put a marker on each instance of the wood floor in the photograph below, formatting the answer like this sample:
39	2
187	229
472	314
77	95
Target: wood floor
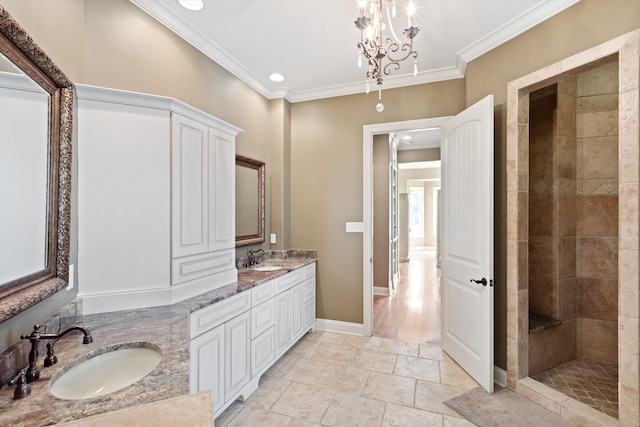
412	313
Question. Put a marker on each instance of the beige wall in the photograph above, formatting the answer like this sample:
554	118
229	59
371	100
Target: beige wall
326	181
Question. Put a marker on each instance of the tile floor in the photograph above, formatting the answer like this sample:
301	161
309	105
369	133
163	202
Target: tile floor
332	379
590	382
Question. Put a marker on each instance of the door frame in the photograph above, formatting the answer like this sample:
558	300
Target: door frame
368	132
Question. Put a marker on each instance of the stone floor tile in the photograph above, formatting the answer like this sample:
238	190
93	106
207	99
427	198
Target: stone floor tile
370	343
375	360
305	348
390	388
273	370
304	401
403	416
303	370
347	409
450	421
347	379
400	347
327	338
453	374
225	417
336	353
250	417
434	352
415	367
269	390
430	397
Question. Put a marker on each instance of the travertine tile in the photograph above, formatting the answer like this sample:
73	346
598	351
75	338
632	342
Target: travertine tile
353	410
370	343
336	353
305	348
268	392
321	337
433	352
400	347
347	379
453	374
628	283
597	299
396	415
390	388
223	419
430	397
414	367
304	401
303	370
250	416
273	370
375	360
597	257
597	216
450	421
597	340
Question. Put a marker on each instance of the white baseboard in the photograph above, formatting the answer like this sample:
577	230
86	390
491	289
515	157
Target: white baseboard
380	290
499	376
329	325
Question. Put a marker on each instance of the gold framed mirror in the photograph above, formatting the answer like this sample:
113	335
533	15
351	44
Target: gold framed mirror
35	140
250	203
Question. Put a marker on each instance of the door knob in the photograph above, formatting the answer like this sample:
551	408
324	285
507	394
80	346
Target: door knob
482	282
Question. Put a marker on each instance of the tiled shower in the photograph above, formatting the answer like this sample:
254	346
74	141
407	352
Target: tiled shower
573	236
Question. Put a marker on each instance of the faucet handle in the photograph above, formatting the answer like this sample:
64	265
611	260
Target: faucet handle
22	388
51	358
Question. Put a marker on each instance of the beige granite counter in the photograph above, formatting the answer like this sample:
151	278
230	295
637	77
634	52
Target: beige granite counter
166	327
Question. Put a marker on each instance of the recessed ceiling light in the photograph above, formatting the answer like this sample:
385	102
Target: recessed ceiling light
276	77
191	4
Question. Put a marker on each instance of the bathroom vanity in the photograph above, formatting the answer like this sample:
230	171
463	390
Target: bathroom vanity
222	340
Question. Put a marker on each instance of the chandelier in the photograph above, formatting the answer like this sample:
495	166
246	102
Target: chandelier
381	52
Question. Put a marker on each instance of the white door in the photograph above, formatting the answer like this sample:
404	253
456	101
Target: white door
467	240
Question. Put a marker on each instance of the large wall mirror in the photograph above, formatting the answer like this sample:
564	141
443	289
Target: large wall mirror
36	102
250	189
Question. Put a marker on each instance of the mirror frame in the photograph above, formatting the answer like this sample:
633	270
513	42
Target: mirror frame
17	46
253	239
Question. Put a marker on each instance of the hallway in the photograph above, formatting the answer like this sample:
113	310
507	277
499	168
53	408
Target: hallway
412	313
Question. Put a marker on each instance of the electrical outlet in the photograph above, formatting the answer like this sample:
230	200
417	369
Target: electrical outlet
355	227
71	277
273	237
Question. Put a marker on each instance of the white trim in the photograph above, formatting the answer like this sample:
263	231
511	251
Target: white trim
368	131
143	298
381	290
499	376
145	100
329	325
523	22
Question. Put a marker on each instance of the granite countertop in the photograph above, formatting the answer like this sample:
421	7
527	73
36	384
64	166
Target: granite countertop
166	327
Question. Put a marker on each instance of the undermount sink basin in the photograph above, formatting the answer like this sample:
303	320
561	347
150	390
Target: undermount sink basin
267	268
105	371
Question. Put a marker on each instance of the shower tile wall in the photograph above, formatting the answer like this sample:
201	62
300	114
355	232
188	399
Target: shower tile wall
597	213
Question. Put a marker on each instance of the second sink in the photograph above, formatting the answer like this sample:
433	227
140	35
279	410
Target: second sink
267	268
105	371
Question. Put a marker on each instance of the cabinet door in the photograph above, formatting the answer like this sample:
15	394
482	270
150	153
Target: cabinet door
309	314
189	197
296	311
262	351
236	355
206	369
222	195
283	321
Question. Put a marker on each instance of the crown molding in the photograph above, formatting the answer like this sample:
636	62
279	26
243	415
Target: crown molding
530	18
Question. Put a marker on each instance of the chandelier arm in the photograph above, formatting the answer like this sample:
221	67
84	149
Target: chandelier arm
393	32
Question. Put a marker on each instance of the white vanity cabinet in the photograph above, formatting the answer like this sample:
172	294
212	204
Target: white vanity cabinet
156	200
234	341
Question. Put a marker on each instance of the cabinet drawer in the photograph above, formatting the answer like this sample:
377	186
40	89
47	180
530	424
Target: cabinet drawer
262	292
309	288
288	280
309	314
197	266
212	316
262	317
310	270
262	351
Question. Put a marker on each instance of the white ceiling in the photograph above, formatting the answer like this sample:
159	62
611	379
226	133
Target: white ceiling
313	42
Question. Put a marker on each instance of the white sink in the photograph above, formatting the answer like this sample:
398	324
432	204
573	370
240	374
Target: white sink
267	268
105	371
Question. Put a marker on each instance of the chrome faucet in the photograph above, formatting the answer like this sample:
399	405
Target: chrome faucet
35	336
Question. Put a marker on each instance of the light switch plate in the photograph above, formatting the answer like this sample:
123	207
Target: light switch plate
72	271
355	227
273	238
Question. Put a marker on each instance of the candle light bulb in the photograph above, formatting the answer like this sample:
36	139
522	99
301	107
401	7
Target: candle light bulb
415	67
359	60
367	89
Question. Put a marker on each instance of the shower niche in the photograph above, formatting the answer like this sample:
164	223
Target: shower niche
573	244
573	236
